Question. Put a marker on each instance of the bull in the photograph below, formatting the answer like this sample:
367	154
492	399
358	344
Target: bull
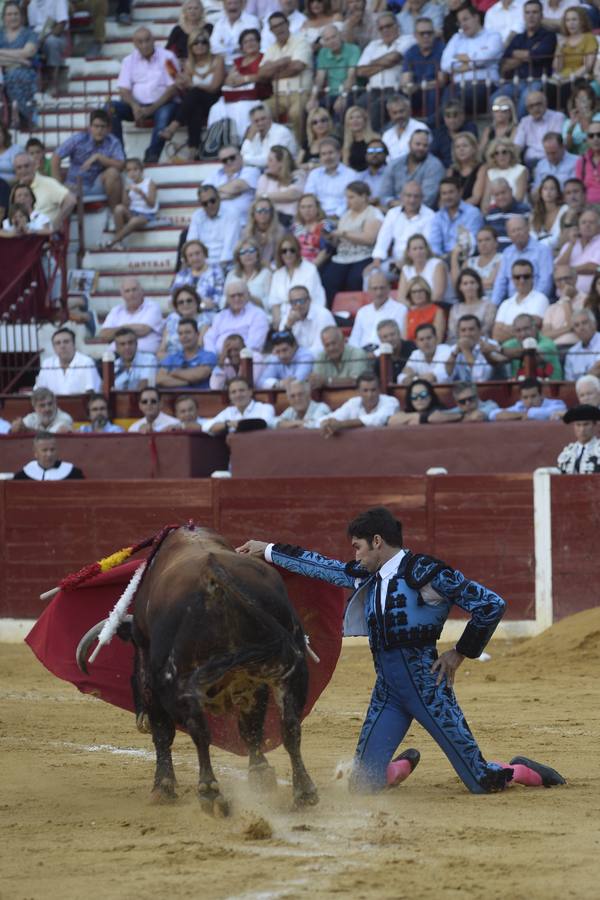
214	631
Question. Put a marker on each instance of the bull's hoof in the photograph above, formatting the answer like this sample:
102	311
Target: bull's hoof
309	797
212	801
142	722
163	794
262	779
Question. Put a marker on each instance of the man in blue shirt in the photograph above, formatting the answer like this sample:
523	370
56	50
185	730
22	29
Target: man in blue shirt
529	56
421	69
401	601
503	207
134	369
453	114
556	161
95	156
97	410
471	60
190	366
288	362
523	246
455	223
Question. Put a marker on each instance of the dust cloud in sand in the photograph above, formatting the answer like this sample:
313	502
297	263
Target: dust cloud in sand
76	820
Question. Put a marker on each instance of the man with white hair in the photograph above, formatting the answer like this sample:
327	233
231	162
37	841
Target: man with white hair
584	357
303	411
336	71
225	36
147	87
587	388
142	316
240	317
399	224
381	64
364	330
263	134
533	128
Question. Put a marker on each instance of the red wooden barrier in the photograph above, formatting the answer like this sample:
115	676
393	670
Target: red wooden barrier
575	530
483	525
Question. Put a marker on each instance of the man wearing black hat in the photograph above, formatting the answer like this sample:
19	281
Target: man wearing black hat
582	457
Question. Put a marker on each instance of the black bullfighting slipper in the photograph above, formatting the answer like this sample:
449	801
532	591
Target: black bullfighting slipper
550	777
401	767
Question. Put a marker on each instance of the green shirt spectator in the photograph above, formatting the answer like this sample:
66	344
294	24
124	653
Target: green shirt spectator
548	358
336	63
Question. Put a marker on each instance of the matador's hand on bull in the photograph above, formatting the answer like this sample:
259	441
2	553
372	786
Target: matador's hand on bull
253	548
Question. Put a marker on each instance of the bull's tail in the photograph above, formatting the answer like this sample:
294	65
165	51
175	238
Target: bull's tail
278	650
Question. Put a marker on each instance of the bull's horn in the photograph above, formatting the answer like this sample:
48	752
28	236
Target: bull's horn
85	643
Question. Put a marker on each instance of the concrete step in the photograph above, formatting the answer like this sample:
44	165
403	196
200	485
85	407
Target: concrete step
90	67
111	281
182	174
131	262
180	214
147	12
162	25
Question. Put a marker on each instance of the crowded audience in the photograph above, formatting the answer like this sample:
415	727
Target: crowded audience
419	180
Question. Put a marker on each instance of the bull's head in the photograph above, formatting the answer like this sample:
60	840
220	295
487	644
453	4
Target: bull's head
123	631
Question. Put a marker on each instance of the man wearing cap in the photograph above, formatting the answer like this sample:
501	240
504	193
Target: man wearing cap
582	457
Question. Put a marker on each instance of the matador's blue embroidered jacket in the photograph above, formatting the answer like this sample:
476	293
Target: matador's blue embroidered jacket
419	598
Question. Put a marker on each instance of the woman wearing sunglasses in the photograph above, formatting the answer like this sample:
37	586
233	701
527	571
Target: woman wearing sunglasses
292	271
319	125
249	268
504	123
201	80
502	161
421	406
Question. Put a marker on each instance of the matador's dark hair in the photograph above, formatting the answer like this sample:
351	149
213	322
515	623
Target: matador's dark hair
377	520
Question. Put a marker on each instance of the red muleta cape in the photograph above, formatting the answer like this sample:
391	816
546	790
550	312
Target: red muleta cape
55	636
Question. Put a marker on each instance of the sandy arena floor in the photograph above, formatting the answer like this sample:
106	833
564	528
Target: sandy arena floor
76	820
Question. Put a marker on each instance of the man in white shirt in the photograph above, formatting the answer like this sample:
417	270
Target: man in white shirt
68	371
329	180
505	17
429	360
303	412
380	63
526	300
399	224
235	182
584	357
305	319
471	58
50	19
397	136
142	316
242	406
213	224
370	408
364	330
263	134
153	418
147	89
472	358
287	64
533	128
225	36
289	8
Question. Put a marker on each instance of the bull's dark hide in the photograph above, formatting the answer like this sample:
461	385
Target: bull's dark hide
57	632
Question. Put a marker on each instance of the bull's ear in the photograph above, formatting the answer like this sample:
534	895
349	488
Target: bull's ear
125	632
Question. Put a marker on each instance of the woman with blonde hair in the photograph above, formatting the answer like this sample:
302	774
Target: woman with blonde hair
191	21
357	134
204	277
466	163
422	310
264	228
419	261
502	161
504	122
319	125
282	183
311	227
292	271
201	80
249	268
